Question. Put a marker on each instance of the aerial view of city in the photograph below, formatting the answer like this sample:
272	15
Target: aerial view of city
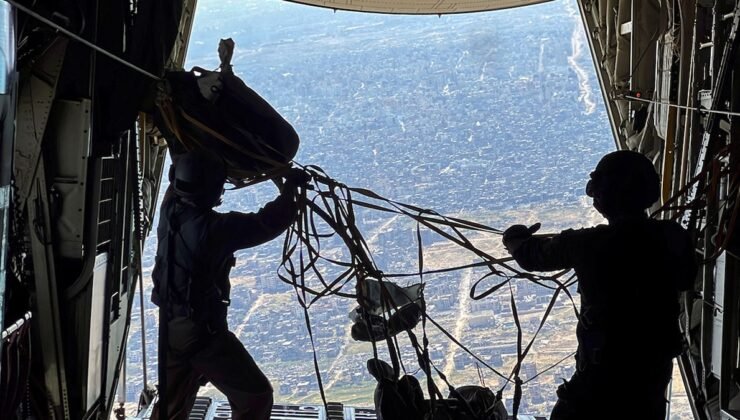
491	117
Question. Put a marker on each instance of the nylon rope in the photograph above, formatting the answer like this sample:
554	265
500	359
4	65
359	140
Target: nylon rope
332	204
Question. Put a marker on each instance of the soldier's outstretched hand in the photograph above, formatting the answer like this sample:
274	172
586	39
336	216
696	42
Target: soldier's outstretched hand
515	235
297	177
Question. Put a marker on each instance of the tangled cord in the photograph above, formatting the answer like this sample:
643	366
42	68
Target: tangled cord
702	191
327	211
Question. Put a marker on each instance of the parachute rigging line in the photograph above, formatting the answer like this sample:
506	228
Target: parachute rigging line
330	212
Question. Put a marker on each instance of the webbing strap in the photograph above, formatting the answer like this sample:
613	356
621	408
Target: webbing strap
519	356
422	352
315	358
333	204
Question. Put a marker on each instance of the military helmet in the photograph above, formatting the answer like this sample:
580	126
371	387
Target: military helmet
199	178
623	181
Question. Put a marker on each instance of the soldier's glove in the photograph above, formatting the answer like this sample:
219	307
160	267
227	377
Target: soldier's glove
516	235
296	177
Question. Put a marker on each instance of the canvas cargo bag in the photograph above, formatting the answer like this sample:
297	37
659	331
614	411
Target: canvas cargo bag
403	399
217	112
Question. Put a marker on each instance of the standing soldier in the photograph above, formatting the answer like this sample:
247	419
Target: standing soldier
194	256
630	273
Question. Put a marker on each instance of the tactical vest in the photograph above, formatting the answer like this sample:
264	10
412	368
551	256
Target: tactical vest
198	287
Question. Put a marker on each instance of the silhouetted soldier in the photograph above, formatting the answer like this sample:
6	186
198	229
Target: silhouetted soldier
196	248
630	274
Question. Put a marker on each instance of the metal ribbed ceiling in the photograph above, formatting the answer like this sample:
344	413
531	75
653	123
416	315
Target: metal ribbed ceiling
419	7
